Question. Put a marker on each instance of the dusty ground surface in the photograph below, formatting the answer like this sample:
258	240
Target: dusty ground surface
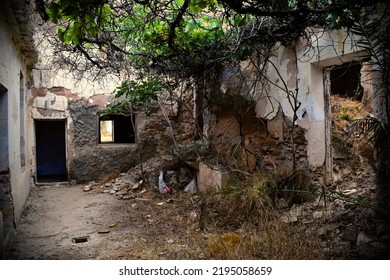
125	219
115	229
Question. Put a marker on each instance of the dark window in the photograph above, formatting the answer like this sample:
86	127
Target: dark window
116	129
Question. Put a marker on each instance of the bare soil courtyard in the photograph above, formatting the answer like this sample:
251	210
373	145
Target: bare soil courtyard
58	218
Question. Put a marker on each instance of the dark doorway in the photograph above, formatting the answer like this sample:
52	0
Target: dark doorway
3	129
51	150
345	80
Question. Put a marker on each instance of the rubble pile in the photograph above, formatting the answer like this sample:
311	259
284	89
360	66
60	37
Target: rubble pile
132	184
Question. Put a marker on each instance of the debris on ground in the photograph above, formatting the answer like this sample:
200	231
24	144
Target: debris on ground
80	239
191	187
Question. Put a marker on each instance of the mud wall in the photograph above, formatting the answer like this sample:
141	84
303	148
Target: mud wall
242	140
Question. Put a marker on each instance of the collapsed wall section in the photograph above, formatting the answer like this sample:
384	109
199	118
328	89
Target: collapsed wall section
242	140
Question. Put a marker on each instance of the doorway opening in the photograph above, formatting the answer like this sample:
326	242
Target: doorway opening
3	129
347	89
51	150
6	200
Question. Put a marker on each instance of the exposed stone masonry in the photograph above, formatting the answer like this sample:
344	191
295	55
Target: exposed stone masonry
89	160
6	212
257	144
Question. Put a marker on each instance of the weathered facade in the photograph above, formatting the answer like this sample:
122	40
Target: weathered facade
75	113
270	122
86	157
280	118
17	57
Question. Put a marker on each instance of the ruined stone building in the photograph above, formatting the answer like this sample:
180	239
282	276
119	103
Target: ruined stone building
52	130
36	127
250	114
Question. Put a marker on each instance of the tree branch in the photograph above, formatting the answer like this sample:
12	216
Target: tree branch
176	23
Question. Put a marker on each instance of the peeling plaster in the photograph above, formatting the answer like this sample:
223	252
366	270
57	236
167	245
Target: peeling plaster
306	73
98	100
51	101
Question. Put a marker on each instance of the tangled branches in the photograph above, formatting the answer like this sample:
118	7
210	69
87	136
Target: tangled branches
181	38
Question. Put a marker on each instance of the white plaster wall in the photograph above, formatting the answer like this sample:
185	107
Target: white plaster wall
48	73
62	78
330	48
54	105
11	64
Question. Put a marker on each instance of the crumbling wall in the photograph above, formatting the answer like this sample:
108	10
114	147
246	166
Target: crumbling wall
6	212
287	98
87	160
255	144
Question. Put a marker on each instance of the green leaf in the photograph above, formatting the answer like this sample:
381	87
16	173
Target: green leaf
60	33
93	31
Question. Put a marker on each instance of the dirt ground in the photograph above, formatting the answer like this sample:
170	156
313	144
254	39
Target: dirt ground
115	229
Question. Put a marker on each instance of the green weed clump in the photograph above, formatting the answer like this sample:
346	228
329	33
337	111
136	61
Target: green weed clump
345	117
294	187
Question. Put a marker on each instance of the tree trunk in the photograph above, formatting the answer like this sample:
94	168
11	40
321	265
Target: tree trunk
199	103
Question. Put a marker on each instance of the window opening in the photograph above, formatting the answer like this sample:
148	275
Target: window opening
116	129
107	131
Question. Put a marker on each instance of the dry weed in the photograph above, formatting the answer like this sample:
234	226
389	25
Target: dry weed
251	226
109	177
279	241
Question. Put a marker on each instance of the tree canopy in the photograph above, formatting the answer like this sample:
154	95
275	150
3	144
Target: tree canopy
185	38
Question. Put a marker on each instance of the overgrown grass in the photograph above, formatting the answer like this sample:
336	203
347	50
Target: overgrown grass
345	116
249	224
294	187
272	240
